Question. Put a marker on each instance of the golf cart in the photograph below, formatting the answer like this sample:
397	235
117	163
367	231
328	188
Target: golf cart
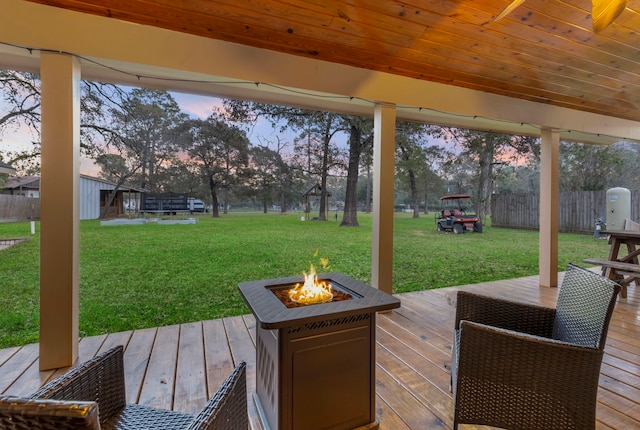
453	215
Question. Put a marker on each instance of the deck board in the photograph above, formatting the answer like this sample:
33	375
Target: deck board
190	394
219	360
136	356
12	379
179	367
159	379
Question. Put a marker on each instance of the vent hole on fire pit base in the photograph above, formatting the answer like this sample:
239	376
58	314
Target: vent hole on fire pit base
335	322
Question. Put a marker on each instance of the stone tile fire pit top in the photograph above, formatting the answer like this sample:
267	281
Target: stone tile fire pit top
271	313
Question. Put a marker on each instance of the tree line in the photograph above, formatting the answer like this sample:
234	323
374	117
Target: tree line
140	138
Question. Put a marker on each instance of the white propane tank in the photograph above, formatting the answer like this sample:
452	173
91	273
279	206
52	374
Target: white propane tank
618	207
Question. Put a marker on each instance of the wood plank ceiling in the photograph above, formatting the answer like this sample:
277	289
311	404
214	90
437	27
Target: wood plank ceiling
543	51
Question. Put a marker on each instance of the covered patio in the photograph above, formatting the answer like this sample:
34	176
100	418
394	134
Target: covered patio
178	367
539	71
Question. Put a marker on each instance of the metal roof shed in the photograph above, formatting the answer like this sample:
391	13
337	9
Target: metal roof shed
93	195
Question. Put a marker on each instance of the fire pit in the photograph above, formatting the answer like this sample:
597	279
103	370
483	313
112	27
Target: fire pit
315	363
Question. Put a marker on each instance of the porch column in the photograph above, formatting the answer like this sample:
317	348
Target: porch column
59	213
549	206
384	144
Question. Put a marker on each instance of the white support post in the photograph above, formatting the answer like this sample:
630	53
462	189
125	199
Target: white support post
549	207
383	193
59	213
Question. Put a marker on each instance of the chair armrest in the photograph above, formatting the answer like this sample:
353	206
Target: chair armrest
503	377
495	312
227	408
33	414
100	379
515	360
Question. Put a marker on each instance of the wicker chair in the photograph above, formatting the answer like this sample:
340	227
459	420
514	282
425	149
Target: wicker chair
92	396
520	367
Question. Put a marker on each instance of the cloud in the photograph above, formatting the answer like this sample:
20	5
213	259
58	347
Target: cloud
13	142
198	106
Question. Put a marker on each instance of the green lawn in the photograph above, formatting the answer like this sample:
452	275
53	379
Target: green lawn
137	276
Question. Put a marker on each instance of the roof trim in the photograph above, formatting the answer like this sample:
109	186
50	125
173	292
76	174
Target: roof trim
113	184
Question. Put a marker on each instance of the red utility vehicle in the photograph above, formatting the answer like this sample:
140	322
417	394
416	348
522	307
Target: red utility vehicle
453	215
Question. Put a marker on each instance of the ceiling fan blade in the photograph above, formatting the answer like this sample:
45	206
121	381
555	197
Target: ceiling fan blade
507	10
604	12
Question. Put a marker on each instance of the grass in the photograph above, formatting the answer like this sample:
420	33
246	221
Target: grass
137	276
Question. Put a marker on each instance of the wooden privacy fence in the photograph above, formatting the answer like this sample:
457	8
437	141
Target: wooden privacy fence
579	210
18	208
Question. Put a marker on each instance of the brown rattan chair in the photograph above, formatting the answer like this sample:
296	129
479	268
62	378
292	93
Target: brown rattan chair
92	396
520	367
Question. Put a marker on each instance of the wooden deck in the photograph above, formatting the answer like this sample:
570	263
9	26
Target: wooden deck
178	367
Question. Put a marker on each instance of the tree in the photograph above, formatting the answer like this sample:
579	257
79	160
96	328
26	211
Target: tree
97	101
140	141
183	176
409	158
221	153
360	142
314	153
414	161
21	99
273	177
367	160
314	145
148	125
119	170
432	180
487	149
265	166
27	161
20	107
523	178
590	167
629	174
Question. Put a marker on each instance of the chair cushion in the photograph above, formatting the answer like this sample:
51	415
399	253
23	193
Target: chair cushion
140	417
18	413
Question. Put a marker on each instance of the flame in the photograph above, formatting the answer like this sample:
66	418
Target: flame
312	291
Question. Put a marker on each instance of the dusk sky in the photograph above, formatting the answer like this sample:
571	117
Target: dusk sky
196	106
193	105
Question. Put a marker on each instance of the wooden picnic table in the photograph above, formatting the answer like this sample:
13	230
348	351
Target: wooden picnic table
622	263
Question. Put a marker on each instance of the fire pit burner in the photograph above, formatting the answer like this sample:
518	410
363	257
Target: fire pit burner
316	358
338	294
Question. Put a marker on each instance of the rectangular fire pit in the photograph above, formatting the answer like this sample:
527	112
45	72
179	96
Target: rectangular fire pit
315	364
